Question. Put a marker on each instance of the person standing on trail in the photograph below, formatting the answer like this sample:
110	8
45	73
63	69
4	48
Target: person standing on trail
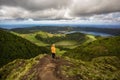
53	50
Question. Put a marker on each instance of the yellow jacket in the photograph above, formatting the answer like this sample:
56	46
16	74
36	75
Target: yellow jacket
53	50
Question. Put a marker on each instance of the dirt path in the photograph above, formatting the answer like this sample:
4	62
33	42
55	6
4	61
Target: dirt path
47	69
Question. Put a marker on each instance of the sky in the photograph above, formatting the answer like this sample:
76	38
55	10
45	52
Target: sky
63	10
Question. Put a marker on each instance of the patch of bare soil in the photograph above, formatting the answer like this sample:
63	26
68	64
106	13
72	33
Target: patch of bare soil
47	69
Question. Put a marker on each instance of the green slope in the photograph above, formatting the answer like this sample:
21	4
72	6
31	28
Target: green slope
19	68
60	39
102	68
93	60
13	47
97	60
42	38
101	47
31	38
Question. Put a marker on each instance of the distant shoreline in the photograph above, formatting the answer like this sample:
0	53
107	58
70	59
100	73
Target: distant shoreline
22	25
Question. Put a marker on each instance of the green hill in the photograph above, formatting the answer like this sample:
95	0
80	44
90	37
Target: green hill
19	68
101	68
94	59
57	38
101	47
97	60
14	47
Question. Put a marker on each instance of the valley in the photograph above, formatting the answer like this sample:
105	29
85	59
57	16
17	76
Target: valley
59	39
26	55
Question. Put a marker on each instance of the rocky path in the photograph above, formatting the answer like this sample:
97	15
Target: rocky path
47	69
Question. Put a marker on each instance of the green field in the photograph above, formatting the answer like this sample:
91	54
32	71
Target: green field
90	38
32	38
69	44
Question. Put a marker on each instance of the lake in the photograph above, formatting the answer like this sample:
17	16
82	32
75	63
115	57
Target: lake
92	33
114	26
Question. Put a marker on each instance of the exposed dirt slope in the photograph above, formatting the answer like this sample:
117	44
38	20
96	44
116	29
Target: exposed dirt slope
47	69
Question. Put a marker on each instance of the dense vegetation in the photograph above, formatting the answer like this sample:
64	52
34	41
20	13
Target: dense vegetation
97	60
18	68
79	37
13	47
94	59
101	68
101	47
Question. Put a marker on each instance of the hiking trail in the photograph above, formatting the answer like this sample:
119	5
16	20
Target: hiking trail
48	69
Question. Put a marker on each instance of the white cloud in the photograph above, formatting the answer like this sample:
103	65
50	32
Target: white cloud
35	5
15	12
89	10
91	7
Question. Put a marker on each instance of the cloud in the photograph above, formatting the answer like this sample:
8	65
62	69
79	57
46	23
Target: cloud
34	8
110	17
60	9
12	12
18	12
91	7
35	5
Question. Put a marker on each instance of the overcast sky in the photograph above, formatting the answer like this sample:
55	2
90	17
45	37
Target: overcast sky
92	10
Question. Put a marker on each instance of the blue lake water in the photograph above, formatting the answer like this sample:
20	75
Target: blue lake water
92	33
10	26
22	25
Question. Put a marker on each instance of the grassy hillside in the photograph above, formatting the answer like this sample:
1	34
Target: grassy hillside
93	59
97	60
42	38
75	37
101	47
13	47
31	38
63	42
18	68
102	68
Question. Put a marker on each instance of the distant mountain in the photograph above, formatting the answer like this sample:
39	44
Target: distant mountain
59	29
13	47
50	29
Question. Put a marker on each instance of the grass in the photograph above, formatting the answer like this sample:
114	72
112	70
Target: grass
16	69
67	44
101	67
59	52
31	37
90	38
82	70
14	47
